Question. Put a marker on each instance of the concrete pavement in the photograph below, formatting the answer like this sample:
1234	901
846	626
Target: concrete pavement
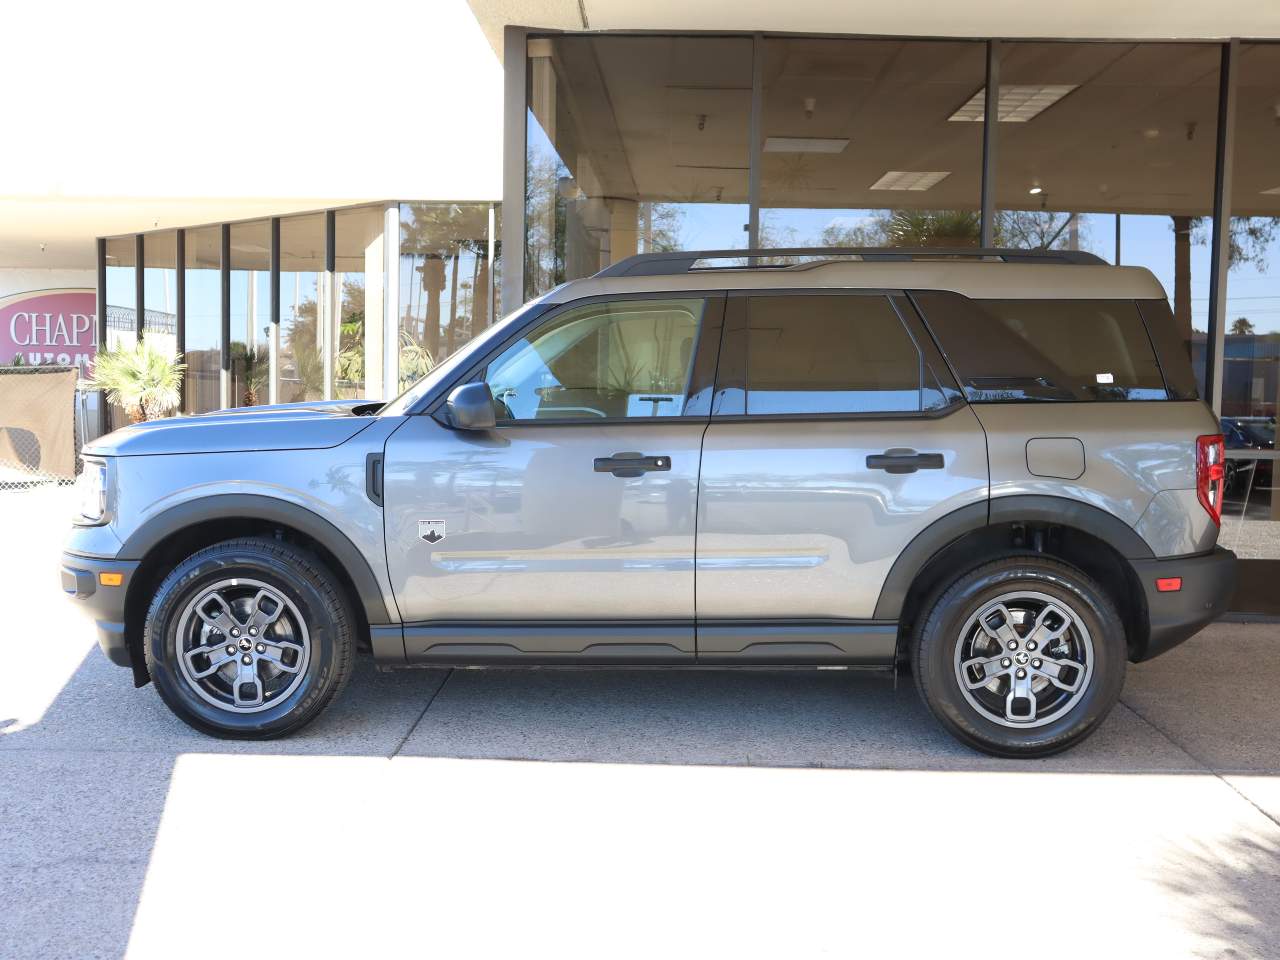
619	814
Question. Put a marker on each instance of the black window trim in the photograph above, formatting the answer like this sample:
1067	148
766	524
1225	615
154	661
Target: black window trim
706	353
732	369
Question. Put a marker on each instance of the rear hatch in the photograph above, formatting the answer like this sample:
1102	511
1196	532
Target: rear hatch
1089	399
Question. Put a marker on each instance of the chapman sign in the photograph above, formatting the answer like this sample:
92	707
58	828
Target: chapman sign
49	328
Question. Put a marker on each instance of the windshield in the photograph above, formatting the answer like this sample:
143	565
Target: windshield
402	404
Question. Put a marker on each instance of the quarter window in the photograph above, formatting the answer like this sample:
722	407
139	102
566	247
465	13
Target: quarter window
1045	349
830	354
613	360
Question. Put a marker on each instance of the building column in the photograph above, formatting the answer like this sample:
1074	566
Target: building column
390	302
623	233
1220	261
513	161
375	283
990	141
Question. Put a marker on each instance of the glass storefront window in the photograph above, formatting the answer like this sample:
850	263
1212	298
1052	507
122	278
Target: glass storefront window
1251	355
300	353
250	313
1094	131
857	148
203	308
358	271
447	282
160	290
634	144
122	305
122	293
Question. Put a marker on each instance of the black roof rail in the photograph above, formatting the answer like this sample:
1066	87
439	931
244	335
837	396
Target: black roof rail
669	264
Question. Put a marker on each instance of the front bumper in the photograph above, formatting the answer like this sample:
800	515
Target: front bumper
1208	581
82	581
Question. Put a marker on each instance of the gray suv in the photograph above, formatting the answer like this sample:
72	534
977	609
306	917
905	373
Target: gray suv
988	467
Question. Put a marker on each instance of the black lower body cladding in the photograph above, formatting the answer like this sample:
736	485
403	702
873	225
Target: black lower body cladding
1204	587
104	603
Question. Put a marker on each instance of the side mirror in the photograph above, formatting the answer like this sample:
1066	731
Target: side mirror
471	407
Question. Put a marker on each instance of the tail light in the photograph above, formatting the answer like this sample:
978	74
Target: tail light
1211	473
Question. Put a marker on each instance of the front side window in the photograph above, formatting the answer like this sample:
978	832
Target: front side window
830	354
1093	350
612	360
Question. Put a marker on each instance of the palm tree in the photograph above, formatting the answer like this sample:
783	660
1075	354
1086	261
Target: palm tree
141	379
252	365
933	228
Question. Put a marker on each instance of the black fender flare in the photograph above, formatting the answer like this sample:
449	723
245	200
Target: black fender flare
248	506
1016	508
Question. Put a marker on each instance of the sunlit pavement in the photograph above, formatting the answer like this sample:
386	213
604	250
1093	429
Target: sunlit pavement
431	813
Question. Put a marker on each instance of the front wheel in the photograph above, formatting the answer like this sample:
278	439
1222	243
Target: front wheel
1022	657
249	639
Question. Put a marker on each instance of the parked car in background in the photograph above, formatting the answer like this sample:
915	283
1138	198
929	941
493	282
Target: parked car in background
1248	433
988	466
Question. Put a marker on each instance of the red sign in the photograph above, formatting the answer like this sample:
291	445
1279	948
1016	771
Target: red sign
49	328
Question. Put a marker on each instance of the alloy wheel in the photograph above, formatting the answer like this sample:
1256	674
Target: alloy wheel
1024	659
242	645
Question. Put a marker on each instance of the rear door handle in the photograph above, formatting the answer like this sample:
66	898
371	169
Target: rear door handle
630	464
904	460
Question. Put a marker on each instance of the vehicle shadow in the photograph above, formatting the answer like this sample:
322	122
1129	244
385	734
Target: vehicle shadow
839	719
789	718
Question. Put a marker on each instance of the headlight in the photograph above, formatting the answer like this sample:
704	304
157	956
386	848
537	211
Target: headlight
91	492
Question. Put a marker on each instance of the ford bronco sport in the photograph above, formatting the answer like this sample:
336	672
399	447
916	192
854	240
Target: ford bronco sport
988	467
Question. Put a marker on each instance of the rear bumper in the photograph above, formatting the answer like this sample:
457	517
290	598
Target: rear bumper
81	581
1208	580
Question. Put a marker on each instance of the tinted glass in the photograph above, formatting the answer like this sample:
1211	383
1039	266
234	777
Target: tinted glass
633	145
603	360
250	313
1045	349
1173	350
840	163
160	290
1106	147
300	355
204	320
829	354
448	254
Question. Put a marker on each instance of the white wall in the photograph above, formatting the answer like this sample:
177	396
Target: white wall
120	115
29	280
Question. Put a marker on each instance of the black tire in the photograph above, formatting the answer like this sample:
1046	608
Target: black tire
934	656
295	574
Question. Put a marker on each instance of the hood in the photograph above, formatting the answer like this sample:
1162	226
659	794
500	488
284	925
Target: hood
283	426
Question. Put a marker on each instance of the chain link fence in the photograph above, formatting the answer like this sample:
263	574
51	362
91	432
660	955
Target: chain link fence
41	427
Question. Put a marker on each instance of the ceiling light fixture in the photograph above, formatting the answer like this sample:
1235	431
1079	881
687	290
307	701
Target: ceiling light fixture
1036	189
910	179
805	144
1019	102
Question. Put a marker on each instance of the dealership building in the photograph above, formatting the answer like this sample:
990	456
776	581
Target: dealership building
307	228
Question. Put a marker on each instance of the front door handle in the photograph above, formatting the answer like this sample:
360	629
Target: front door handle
631	464
904	460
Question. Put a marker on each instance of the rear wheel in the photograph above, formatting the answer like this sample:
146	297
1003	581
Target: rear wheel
1022	657
249	638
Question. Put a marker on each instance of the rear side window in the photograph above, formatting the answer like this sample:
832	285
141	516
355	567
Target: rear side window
1095	350
830	354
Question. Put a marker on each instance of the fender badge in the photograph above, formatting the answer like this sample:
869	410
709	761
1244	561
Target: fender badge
431	531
